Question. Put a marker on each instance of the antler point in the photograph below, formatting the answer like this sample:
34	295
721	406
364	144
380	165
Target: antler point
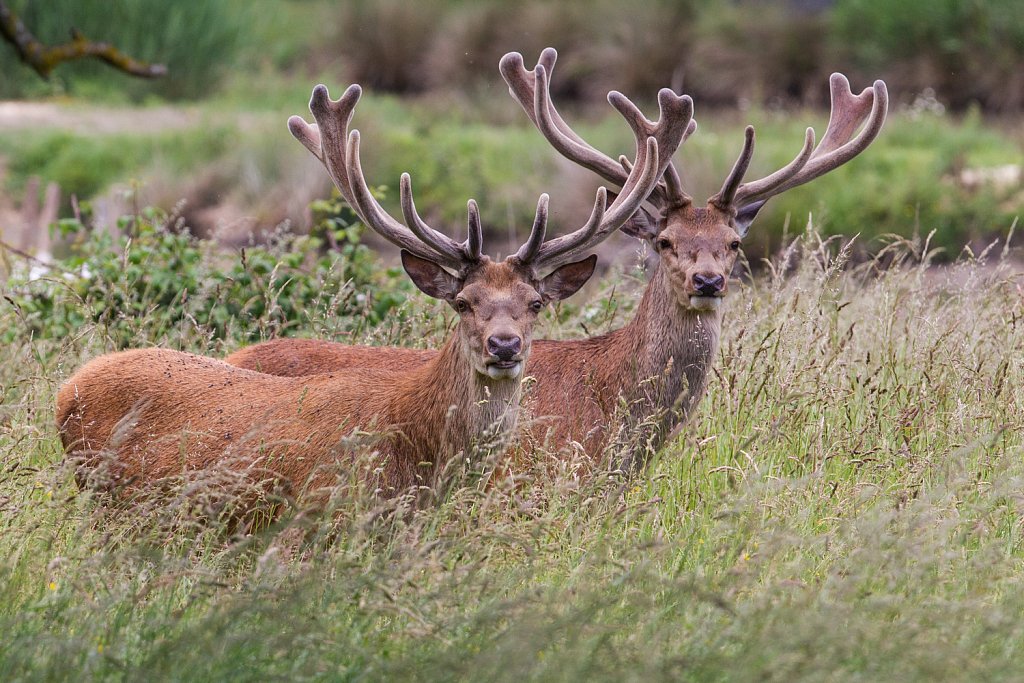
510	60
838	81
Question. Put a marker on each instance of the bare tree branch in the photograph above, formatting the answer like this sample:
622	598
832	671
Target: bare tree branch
44	59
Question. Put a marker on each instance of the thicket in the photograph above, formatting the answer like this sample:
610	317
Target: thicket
723	52
154	279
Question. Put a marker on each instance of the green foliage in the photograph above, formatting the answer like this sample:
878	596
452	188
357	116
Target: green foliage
86	165
158	280
727	51
966	51
197	41
908	182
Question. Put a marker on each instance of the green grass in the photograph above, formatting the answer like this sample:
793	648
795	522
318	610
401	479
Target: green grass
240	153
846	506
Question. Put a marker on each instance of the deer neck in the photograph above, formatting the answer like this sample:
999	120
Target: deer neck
668	350
462	407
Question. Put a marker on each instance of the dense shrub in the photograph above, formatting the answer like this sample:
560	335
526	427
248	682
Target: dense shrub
966	51
721	51
158	279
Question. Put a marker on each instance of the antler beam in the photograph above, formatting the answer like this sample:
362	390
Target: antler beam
866	111
531	89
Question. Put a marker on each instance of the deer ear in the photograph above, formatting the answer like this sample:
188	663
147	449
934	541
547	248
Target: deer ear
745	216
432	279
567	280
641	225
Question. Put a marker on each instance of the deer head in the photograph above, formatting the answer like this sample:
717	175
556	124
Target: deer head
497	302
698	245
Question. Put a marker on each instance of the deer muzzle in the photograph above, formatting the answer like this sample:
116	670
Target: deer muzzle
505	357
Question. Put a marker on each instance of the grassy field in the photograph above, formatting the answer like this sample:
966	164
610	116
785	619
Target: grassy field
233	164
846	506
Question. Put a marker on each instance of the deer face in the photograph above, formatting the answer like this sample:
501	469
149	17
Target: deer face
498	304
698	247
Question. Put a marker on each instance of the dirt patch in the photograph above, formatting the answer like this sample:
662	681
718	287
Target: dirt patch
94	120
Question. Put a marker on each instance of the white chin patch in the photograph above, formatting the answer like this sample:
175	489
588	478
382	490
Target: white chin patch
706	303
504	373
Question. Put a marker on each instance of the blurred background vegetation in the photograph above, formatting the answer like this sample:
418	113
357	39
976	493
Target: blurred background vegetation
212	133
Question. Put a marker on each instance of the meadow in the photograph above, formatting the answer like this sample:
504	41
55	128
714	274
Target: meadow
845	506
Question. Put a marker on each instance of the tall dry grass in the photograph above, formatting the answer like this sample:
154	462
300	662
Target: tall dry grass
845	506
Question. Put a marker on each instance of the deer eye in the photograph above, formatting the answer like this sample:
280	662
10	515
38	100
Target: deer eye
535	306
735	246
461	305
663	244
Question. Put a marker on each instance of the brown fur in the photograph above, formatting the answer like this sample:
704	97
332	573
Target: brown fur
156	413
657	364
656	367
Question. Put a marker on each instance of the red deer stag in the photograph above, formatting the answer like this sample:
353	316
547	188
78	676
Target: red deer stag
154	413
658	364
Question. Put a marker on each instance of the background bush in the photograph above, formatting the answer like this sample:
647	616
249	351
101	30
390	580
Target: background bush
147	286
968	52
721	51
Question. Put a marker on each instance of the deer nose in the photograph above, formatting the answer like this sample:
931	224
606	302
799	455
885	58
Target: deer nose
708	284
504	347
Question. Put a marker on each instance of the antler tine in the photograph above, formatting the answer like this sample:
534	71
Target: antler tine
475	232
548	253
604	220
331	131
849	112
725	196
434	239
528	252
306	133
521	86
670	185
552	127
755	189
673	183
642	180
376	218
674	125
